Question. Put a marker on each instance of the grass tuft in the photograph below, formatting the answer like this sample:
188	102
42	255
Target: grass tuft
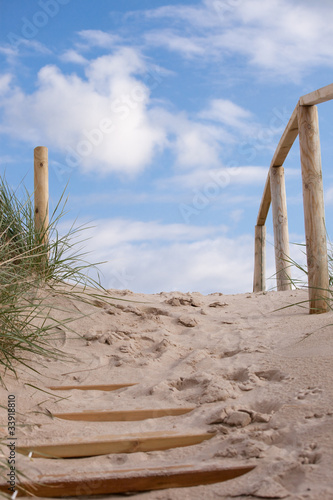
302	283
33	271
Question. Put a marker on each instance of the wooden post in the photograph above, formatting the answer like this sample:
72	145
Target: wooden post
41	181
280	225
259	281
314	212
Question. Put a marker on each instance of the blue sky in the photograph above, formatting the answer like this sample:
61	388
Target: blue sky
163	116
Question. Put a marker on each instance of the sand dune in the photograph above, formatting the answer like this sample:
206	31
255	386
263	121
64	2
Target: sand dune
258	377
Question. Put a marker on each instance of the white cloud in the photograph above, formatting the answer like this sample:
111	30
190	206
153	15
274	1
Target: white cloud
199	16
227	112
100	123
72	56
111	70
329	195
97	38
5	81
151	257
107	122
286	38
237	215
21	47
174	42
194	144
4	160
8	51
218	177
113	232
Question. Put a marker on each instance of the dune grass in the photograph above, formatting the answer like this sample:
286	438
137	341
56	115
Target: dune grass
31	273
302	283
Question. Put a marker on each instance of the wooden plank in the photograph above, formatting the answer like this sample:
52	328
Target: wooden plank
265	203
129	481
103	445
94	387
323	94
259	280
314	210
122	415
280	226
287	140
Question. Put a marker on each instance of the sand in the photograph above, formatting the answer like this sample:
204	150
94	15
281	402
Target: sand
258	376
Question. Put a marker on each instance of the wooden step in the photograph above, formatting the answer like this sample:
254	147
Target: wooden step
94	387
129	481
103	445
122	415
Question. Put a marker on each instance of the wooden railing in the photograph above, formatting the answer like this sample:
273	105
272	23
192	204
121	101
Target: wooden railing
303	122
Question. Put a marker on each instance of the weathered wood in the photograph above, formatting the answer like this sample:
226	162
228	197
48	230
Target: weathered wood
103	445
41	191
259	280
314	212
321	95
91	387
287	140
265	203
280	226
128	481
122	415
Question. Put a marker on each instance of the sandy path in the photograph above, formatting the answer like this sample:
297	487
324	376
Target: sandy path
253	373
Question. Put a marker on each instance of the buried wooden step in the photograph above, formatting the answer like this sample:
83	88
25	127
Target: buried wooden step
103	445
94	387
122	415
129	481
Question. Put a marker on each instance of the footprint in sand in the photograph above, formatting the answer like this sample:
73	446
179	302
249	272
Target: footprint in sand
273	375
310	454
203	389
308	392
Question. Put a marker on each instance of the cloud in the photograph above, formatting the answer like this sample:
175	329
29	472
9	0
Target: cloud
72	56
218	177
106	120
329	195
100	123
4	160
280	37
5	81
97	38
113	232
167	38
203	16
193	142
151	257
8	51
226	112
21	47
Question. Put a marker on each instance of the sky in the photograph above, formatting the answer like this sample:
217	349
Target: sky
161	118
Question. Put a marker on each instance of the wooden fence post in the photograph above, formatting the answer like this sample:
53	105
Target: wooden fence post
314	211
41	187
280	225
259	280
